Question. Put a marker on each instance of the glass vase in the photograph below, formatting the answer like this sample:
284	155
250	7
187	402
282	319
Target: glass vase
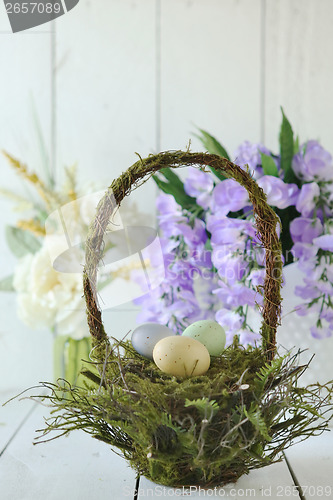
68	356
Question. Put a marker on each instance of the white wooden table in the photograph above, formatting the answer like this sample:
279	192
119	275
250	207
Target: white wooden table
79	467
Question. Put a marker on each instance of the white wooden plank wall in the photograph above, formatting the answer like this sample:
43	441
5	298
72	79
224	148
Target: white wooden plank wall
115	77
210	70
298	68
26	91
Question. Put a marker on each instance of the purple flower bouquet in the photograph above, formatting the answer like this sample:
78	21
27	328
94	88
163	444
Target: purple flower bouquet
214	263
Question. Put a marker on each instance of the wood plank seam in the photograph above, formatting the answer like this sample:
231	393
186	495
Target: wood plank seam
25	419
53	57
158	63
263	21
294	477
136	489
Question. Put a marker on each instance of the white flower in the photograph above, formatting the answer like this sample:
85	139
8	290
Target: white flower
46	297
50	297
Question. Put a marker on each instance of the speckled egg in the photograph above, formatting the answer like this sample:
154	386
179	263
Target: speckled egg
209	333
145	337
181	356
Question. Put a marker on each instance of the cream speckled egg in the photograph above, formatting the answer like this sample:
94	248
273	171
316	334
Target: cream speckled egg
181	356
209	333
145	337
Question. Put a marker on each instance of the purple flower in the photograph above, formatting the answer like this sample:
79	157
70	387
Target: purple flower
304	230
322	268
259	255
231	269
325	287
313	162
327	314
247	337
176	307
278	193
195	236
327	192
193	290
228	196
220	254
229	231
248	153
325	268
227	237
324	242
256	277
199	184
307	199
206	298
202	257
237	295
168	246
302	310
166	205
308	291
304	251
170	214
230	320
320	332
305	309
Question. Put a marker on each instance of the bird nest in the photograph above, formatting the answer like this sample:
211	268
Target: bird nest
203	430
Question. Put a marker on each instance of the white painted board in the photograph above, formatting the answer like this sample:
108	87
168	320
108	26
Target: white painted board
210	71
105	85
260	483
312	463
298	69
77	467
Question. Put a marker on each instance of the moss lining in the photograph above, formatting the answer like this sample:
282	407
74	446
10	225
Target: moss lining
206	430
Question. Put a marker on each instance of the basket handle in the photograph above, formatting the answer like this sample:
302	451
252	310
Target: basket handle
139	172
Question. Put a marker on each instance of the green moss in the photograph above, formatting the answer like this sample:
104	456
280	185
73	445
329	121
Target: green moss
206	430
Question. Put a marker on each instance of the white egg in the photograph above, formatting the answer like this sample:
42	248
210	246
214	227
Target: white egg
146	336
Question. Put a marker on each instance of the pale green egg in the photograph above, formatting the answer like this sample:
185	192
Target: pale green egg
209	333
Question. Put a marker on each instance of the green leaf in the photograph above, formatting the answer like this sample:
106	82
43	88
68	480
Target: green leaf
173	178
21	242
296	145
175	187
217	173
257	421
213	146
268	165
268	372
207	408
287	149
287	423
6	284
287	215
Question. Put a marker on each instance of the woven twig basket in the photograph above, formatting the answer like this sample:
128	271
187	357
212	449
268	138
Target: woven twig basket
204	430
